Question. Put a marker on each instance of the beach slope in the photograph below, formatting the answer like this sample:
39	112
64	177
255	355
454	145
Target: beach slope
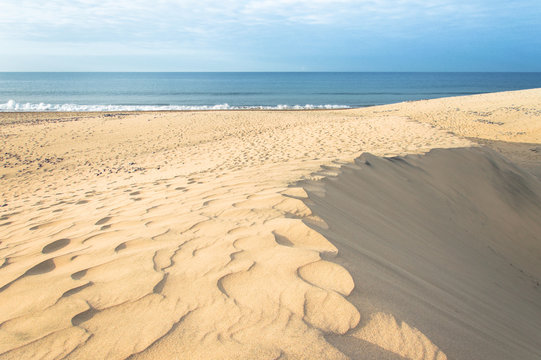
444	246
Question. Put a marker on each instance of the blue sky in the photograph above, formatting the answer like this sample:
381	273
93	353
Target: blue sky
270	35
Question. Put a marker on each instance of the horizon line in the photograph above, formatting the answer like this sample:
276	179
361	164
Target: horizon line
263	72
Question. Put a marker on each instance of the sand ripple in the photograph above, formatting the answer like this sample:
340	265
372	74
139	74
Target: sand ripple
160	235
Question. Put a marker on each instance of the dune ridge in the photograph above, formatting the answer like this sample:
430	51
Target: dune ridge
449	241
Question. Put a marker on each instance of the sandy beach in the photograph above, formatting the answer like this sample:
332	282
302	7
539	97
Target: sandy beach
404	231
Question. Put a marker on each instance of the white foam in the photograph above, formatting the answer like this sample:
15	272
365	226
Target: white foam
12	105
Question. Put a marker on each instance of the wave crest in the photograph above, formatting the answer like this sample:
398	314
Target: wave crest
12	105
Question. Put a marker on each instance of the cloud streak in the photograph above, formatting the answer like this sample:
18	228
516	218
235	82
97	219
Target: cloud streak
229	27
25	18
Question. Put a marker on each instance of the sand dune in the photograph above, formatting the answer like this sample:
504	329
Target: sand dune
448	242
188	235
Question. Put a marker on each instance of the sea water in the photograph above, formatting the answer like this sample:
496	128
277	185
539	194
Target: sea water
203	91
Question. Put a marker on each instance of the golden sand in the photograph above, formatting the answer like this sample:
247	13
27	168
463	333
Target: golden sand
188	235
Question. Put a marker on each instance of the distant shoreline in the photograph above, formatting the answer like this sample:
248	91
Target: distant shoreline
11	117
113	92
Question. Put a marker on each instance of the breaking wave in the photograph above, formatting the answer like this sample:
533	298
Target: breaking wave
12	105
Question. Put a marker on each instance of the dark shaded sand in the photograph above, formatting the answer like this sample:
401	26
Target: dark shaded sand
448	243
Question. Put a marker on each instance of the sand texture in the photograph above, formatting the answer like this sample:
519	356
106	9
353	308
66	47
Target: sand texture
450	243
507	116
266	235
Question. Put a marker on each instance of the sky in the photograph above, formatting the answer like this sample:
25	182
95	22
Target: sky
270	35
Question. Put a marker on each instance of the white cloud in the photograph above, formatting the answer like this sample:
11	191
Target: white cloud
196	22
174	14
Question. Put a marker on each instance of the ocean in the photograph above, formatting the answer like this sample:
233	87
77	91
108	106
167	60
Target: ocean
206	91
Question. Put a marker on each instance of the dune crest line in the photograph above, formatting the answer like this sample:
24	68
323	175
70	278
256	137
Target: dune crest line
460	243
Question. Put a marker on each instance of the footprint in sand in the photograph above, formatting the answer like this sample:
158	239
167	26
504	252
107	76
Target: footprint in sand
78	275
77	289
101	221
84	316
41	268
55	246
120	247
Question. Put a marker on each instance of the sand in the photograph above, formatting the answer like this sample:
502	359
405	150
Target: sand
451	247
257	234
